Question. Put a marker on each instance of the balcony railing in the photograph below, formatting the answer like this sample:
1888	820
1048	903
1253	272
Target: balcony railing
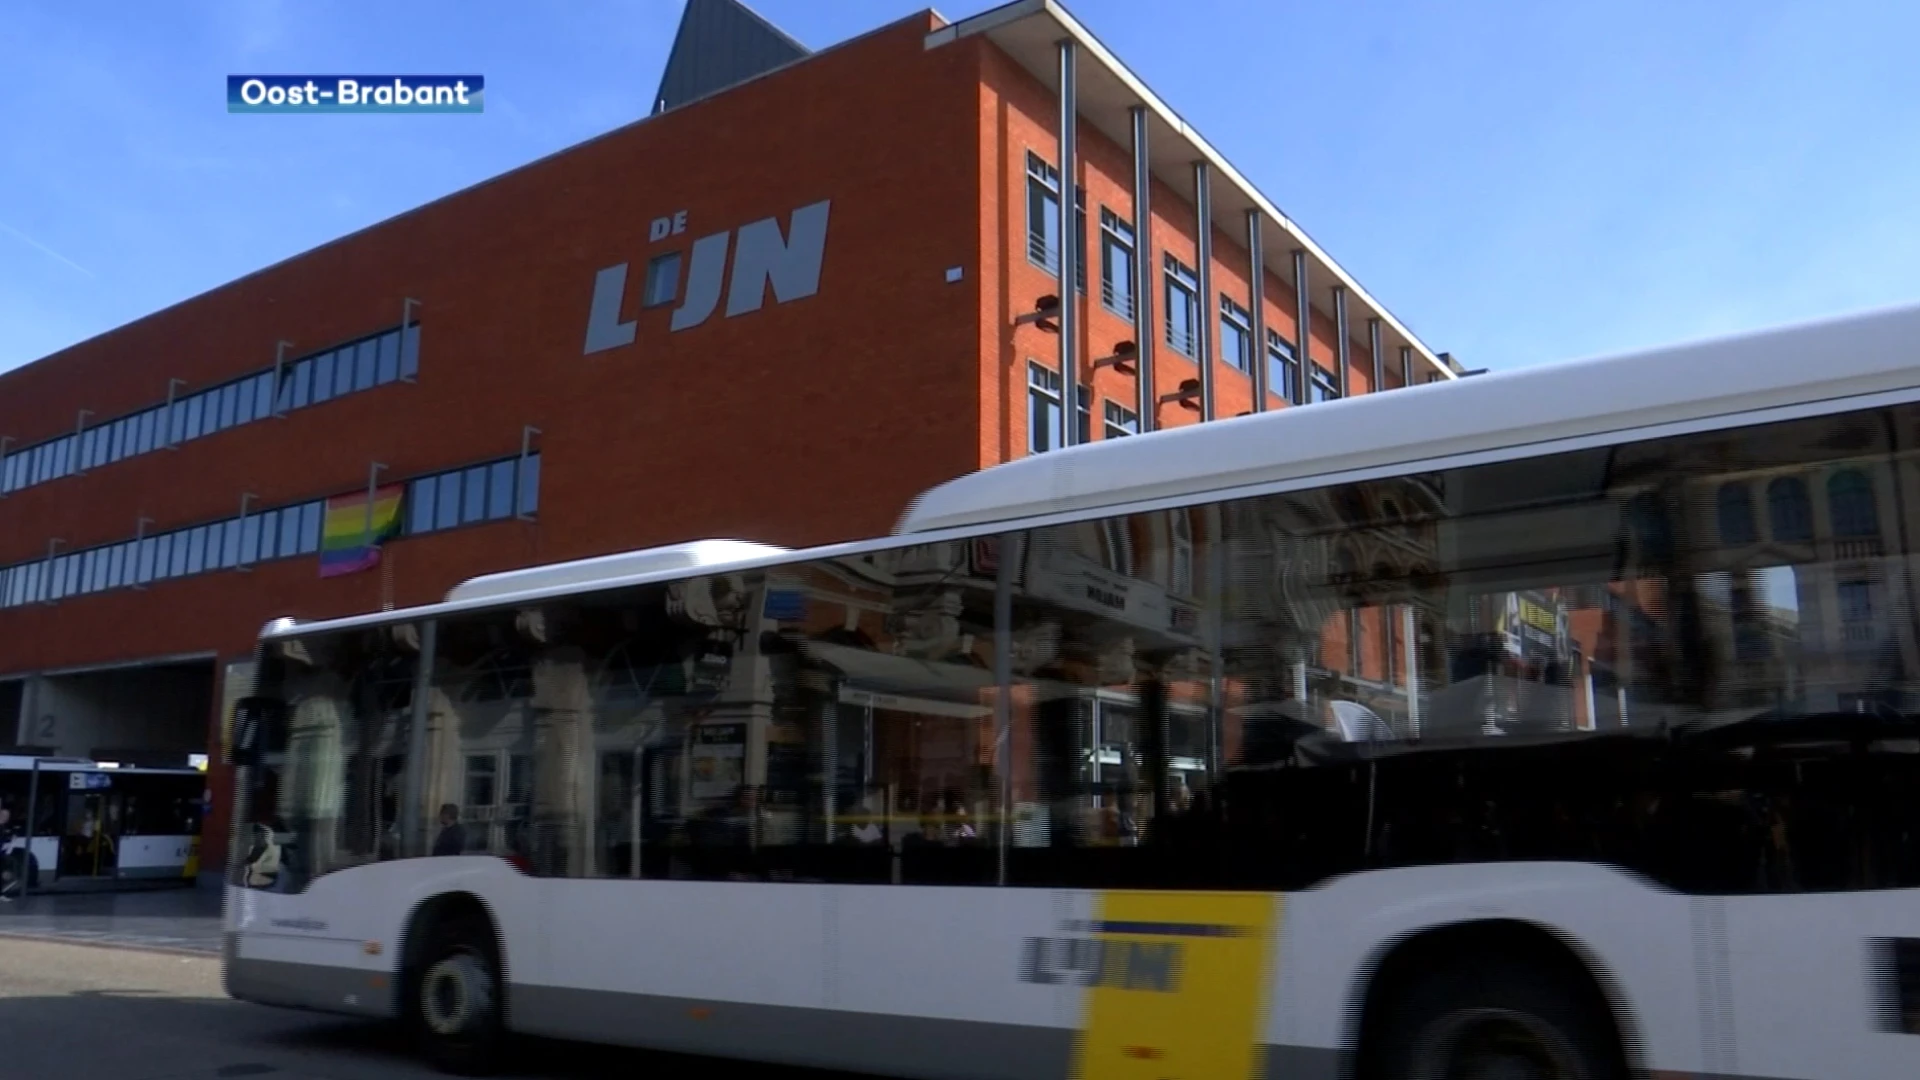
1863	548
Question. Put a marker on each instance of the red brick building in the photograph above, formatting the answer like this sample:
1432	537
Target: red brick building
813	314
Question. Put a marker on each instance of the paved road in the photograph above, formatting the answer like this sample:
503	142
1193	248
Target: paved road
111	1013
171	918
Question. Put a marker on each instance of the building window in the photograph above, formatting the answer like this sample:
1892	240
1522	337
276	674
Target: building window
1043	219
1116	264
493	491
1120	421
486	492
1736	514
1283	371
1856	610
1180	528
1789	510
1324	387
663	280
1850	501
482	773
373	361
1043	410
1183	307
1236	335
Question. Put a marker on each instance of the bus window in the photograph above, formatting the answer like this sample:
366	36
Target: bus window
347	699
1610	655
1117	725
883	675
479	714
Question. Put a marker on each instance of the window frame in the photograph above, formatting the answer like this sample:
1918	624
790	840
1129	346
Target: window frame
1043	205
1234	316
1116	238
655	277
1181	291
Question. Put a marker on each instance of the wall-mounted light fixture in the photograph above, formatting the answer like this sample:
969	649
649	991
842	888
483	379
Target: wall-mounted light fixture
1187	397
1045	314
1124	359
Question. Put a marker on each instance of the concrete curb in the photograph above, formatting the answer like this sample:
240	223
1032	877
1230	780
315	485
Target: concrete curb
55	938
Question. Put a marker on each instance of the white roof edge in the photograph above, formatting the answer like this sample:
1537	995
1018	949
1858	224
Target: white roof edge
691	555
559	589
1696	382
1000	16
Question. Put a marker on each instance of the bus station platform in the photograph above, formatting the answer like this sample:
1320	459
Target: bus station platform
175	919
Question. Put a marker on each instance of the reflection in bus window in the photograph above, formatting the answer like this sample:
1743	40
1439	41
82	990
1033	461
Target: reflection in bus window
334	797
1596	655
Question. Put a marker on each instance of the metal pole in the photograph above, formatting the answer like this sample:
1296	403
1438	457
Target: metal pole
1143	271
1409	629
33	798
1003	691
46	576
79	458
1379	358
167	417
1256	307
1302	328
413	838
1215	519
1209	303
1406	365
1342	350
1070	244
280	373
139	537
373	480
527	435
406	319
240	561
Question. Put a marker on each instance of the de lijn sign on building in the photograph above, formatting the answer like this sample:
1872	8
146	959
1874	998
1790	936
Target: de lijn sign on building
762	256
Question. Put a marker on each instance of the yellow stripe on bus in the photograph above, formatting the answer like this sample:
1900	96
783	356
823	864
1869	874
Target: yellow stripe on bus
1181	988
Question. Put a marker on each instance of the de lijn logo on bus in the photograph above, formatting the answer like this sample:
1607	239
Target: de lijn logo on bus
356	93
1118	954
763	255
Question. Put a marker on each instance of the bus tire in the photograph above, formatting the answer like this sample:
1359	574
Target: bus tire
458	1006
1481	1020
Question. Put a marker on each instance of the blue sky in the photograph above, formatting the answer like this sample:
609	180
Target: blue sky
1519	182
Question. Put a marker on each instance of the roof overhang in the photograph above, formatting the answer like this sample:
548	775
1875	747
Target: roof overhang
1030	31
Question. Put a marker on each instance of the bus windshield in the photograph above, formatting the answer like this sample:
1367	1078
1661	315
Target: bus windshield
1552	656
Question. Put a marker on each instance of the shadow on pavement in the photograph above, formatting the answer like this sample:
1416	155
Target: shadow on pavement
533	1059
137	1034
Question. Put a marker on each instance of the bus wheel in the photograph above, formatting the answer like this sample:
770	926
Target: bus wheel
457	1008
1495	1022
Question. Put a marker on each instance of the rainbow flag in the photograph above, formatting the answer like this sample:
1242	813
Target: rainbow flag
350	539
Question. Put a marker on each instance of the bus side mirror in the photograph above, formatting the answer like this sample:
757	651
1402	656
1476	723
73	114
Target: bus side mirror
259	727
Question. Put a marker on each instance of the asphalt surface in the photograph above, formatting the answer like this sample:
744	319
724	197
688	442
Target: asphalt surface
170	918
99	1011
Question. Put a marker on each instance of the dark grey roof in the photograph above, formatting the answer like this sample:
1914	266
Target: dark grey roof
721	43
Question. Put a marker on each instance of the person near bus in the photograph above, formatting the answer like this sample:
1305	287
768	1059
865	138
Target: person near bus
263	859
12	866
453	835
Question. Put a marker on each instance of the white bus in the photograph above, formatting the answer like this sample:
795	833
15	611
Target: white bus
81	823
1554	723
